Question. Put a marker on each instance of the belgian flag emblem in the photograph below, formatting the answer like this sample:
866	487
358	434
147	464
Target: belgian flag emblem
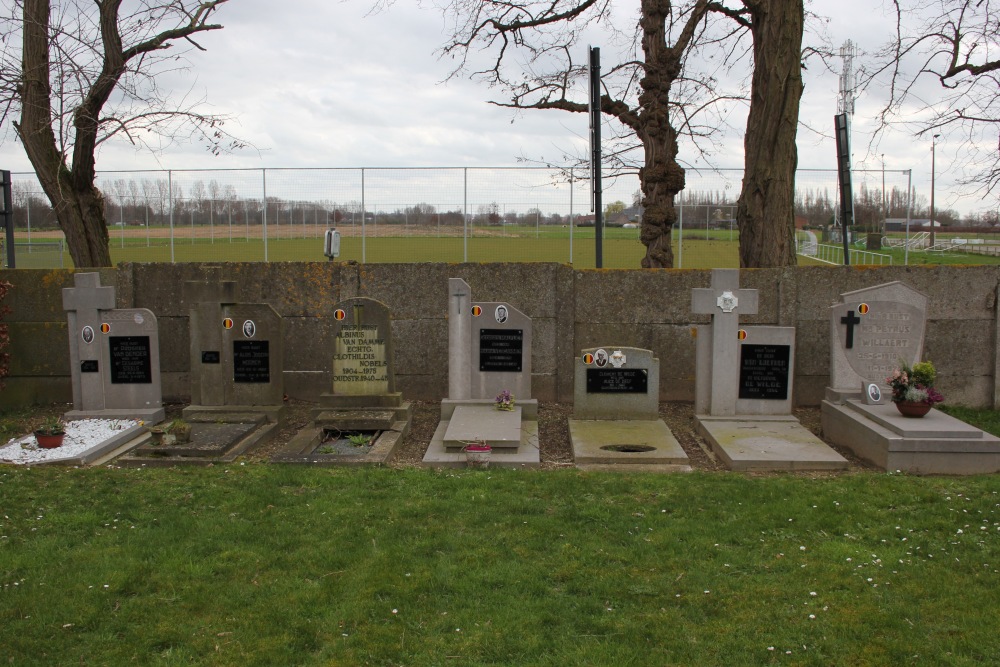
477	311
742	334
588	358
339	314
105	327
227	323
863	308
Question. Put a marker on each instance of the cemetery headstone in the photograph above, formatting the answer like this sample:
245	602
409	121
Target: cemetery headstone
237	391
872	330
236	352
744	386
363	401
114	355
489	351
616	416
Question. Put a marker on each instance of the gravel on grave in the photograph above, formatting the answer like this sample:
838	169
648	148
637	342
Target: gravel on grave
81	436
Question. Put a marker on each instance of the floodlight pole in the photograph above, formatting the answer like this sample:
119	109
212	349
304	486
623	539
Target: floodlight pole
8	217
595	154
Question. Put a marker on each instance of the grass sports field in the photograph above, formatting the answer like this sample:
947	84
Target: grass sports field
697	249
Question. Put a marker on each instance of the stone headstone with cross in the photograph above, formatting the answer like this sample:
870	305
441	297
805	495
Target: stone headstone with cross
114	354
871	331
725	302
489	351
743	386
363	400
236	352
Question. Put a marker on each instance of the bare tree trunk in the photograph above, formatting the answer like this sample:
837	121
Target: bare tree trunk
661	177
765	211
77	203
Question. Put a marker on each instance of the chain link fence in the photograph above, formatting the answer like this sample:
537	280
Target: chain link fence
475	214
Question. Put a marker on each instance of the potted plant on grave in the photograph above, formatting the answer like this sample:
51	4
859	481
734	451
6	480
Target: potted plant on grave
51	433
913	389
477	453
504	401
169	433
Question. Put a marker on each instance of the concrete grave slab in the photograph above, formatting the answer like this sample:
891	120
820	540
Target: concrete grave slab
768	443
525	456
499	428
216	437
631	442
936	444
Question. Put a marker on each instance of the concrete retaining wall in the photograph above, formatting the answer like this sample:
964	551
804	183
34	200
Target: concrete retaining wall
570	309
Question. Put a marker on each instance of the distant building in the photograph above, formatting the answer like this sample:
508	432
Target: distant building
899	224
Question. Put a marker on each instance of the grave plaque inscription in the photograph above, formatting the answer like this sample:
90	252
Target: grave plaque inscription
130	360
764	371
617	381
501	350
251	362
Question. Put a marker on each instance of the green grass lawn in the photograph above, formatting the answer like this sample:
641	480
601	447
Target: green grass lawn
621	249
278	565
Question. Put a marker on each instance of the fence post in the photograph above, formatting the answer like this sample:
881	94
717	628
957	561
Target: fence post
571	216
170	207
465	218
680	237
364	215
263	180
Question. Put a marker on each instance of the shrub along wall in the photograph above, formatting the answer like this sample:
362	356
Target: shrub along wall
570	309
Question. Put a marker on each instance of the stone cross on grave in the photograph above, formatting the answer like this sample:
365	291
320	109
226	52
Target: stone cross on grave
725	302
206	300
460	338
83	304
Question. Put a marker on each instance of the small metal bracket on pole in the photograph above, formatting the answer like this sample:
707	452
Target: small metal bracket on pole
331	244
7	214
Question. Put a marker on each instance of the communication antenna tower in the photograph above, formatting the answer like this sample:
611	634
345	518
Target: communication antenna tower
847	80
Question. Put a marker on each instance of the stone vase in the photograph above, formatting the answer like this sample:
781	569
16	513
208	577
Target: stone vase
912	408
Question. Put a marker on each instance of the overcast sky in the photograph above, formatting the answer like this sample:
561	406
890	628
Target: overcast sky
315	83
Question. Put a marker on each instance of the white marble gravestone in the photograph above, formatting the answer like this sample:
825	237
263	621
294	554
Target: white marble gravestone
114	355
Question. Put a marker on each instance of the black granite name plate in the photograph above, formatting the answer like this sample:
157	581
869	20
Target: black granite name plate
88	366
211	357
501	350
251	362
764	372
130	360
617	381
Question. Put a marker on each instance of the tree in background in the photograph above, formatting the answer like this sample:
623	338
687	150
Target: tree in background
658	91
952	46
84	72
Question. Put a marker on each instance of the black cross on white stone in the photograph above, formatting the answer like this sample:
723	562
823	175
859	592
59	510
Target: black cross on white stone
850	320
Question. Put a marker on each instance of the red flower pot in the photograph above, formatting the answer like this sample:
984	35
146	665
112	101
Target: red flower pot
912	408
49	441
